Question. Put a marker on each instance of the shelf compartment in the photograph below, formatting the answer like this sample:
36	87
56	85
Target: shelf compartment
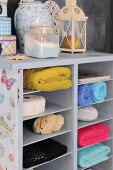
37	166
102	68
26	92
30	137
50	109
101	118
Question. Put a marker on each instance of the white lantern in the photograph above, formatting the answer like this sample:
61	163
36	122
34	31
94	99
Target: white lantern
72	28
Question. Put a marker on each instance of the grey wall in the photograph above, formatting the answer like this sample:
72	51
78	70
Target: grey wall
99	26
98	23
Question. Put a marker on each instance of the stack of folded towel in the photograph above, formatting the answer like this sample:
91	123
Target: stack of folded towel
47	79
91	93
93	155
92	134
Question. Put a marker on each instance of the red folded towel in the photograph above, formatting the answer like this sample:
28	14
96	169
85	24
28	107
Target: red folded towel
92	134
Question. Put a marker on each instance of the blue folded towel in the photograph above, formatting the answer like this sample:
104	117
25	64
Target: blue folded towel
93	155
85	95
99	92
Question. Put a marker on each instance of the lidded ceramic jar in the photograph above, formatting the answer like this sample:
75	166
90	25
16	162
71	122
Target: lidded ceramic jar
30	12
42	42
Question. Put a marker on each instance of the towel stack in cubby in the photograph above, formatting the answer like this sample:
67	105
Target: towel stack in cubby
93	134
93	155
7	41
89	94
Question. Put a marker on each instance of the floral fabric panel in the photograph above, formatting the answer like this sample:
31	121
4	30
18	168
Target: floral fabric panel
8	120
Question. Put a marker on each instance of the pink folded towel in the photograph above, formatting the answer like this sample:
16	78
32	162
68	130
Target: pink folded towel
92	134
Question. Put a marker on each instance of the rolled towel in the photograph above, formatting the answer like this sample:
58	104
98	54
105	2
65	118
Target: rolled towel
99	92
92	134
85	95
33	105
93	155
47	79
48	124
87	113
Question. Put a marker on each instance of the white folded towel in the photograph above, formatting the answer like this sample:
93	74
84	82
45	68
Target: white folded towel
87	113
33	105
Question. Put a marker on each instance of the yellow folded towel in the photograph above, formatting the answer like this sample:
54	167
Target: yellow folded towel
47	79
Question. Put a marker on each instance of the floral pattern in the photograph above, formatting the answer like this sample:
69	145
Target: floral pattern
8	82
11	157
8	120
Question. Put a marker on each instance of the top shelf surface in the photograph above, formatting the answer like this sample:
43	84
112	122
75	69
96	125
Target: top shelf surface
63	59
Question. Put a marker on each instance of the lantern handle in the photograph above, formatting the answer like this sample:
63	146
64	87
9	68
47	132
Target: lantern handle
71	2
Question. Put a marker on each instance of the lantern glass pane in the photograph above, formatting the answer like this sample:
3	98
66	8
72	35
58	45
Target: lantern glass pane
80	34
65	33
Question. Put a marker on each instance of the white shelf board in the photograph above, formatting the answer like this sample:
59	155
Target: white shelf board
25	92
66	154
95	165
90	82
80	148
101	118
106	100
30	137
50	109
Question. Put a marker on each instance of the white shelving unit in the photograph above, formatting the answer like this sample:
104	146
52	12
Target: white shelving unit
61	101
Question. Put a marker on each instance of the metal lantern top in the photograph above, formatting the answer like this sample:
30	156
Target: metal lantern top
71	11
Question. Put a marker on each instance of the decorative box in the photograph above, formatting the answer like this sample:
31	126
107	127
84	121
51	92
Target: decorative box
5	26
7	45
3	9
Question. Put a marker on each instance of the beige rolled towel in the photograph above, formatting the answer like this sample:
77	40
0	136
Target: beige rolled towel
33	105
48	124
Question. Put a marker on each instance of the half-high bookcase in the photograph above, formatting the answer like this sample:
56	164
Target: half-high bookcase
13	134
